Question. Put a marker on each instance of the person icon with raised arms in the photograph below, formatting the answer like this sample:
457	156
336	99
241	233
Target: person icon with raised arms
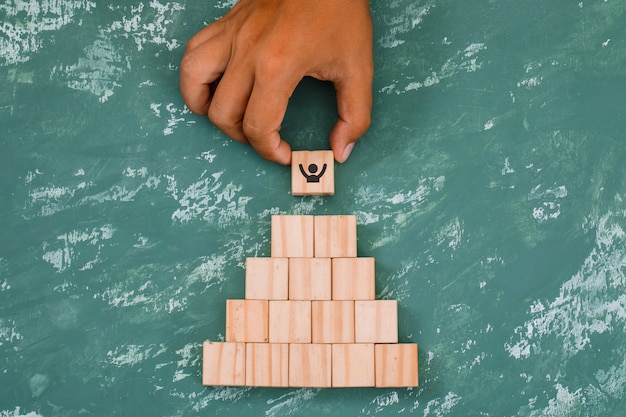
312	170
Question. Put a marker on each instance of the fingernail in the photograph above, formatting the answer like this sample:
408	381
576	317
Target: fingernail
347	151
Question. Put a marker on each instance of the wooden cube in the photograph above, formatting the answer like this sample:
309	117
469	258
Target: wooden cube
335	236
353	279
376	321
247	321
310	365
332	321
267	278
292	236
312	173
267	364
309	278
223	363
290	321
353	365
396	365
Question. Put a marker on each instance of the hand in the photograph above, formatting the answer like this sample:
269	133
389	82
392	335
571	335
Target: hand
241	70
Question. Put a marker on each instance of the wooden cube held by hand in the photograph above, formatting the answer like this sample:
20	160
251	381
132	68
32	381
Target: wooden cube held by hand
312	173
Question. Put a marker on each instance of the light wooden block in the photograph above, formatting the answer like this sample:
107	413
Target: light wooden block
353	365
223	363
267	278
312	173
335	236
353	279
292	236
376	321
310	365
267	364
290	321
332	321
309	278
247	321
396	365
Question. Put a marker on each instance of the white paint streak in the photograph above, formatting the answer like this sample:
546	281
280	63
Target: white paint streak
8	332
24	23
468	63
18	413
590	303
401	23
462	61
98	71
176	116
149	26
551	208
564	404
209	199
383	401
441	407
380	203
70	247
129	355
100	68
291	403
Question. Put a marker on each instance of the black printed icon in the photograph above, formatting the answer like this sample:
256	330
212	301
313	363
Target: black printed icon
311	176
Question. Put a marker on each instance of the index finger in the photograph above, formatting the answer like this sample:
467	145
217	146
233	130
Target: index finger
263	118
200	67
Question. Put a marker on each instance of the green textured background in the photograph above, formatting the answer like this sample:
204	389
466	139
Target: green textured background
490	189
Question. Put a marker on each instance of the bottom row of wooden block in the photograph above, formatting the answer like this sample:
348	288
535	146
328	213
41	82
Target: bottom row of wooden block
309	364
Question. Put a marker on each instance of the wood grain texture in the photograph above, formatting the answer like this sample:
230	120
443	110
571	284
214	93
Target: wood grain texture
353	365
353	279
335	236
292	236
310	365
247	320
376	321
223	363
267	364
396	365
290	321
267	278
310	279
332	322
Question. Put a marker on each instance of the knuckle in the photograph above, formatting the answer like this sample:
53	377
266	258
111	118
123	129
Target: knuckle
222	120
253	130
190	65
192	44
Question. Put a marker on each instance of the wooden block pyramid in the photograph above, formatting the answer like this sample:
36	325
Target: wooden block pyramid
310	317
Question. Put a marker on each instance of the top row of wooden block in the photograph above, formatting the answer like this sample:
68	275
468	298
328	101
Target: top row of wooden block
312	173
313	236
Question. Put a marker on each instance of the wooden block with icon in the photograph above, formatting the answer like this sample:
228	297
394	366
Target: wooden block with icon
310	317
312	173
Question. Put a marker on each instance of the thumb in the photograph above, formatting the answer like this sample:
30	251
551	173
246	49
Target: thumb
354	105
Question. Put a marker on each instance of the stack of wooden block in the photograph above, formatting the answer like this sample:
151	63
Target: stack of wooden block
310	317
